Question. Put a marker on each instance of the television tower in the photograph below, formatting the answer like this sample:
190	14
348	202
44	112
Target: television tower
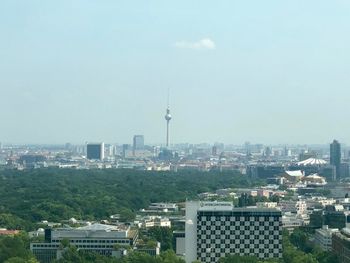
167	118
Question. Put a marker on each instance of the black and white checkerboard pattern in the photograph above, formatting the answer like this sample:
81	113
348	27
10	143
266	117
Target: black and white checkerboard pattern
221	235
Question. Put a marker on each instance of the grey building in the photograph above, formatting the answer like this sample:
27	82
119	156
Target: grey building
138	142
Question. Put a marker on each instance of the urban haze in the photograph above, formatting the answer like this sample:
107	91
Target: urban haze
174	131
266	72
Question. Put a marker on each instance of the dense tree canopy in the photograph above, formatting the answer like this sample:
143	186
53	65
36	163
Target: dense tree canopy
15	249
57	194
164	235
72	255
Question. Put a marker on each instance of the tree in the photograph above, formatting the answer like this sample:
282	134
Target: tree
164	235
239	259
11	247
169	256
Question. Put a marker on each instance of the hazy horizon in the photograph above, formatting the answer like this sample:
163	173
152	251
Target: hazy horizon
266	72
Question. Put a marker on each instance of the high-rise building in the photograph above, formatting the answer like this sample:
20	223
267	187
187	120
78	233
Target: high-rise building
335	157
217	229
95	151
138	142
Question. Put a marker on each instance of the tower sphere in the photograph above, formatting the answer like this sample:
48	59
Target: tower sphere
168	115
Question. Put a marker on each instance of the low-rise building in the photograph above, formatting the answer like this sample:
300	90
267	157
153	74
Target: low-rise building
98	238
6	232
323	237
291	221
154	221
163	207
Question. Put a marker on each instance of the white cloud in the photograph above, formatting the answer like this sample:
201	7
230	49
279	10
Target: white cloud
205	43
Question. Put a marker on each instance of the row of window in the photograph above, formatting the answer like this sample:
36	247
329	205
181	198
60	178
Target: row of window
234	241
79	246
239	218
119	241
208	257
237	228
237	246
242	223
46	245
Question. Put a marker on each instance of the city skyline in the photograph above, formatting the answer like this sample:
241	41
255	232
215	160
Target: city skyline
275	73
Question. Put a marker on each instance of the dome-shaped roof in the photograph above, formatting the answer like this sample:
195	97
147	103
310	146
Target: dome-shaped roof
312	161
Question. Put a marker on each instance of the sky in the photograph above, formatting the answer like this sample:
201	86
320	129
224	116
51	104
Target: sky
100	70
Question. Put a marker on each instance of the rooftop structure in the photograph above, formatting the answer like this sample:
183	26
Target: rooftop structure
312	161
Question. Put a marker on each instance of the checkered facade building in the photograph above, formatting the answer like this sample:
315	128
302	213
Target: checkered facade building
254	232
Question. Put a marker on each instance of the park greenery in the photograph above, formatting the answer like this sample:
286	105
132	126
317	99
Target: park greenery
28	197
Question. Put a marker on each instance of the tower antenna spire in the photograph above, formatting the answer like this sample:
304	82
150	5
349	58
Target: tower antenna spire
168	101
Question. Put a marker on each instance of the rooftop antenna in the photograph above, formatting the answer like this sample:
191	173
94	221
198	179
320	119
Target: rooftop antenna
168	97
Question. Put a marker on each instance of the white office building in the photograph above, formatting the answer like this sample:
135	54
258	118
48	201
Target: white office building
216	229
98	238
323	237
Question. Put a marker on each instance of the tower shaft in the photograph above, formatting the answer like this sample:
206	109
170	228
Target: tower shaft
167	134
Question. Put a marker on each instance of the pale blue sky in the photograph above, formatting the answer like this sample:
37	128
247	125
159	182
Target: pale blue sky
76	71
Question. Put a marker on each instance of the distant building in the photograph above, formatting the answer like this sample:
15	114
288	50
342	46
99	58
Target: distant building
264	172
6	232
126	150
307	155
335	216
344	170
163	207
138	142
154	221
28	159
95	151
217	229
323	237
291	221
341	245
335	157
214	150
